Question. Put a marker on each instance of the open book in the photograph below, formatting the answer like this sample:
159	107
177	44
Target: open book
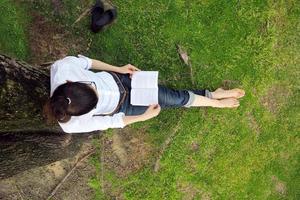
144	88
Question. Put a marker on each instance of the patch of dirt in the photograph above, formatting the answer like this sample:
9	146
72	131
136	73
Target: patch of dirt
279	186
205	196
189	191
38	183
58	6
253	123
230	84
126	151
57	168
191	164
285	155
275	97
50	42
209	153
195	146
119	149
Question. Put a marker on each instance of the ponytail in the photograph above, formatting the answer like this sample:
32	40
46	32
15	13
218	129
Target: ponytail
56	110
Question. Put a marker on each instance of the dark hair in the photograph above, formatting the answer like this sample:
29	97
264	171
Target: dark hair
70	99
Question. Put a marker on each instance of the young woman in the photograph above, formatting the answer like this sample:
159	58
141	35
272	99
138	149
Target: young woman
84	101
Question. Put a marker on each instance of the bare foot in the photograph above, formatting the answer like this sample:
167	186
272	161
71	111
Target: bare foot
227	103
222	94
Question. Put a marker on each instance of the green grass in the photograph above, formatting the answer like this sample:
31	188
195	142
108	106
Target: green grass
255	45
14	21
227	40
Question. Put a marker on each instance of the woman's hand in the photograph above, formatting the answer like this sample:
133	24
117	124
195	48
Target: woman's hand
152	111
128	69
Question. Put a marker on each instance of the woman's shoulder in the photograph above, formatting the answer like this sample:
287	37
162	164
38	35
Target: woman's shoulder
72	62
67	68
64	62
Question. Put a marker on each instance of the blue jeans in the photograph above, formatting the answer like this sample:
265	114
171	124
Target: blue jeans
167	98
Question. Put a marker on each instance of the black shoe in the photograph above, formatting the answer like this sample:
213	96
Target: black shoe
102	16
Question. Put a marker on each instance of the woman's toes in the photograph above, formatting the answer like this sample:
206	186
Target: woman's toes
235	103
239	93
229	103
222	94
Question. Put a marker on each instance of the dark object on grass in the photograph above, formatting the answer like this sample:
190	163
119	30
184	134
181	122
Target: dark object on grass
103	15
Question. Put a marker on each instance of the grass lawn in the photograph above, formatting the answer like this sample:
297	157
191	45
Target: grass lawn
247	153
14	21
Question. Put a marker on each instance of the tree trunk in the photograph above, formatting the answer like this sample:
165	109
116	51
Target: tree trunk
23	90
25	140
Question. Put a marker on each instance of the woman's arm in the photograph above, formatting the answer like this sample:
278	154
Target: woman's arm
99	65
151	112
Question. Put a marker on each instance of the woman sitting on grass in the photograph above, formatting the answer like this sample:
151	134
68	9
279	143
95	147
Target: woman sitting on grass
85	101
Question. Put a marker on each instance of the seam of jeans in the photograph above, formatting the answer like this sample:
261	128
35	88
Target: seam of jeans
191	99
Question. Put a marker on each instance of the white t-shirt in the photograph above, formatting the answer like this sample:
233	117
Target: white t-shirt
77	69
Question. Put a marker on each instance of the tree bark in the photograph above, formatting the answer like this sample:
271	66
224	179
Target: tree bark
23	90
25	139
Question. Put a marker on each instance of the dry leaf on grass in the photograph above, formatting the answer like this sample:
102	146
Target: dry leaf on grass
182	54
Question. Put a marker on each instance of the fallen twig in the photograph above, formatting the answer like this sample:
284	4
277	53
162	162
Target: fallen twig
102	165
69	173
47	63
164	147
89	44
191	72
85	12
20	192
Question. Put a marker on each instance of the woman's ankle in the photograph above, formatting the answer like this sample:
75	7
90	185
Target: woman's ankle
202	101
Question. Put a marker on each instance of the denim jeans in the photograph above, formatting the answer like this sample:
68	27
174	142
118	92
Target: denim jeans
167	98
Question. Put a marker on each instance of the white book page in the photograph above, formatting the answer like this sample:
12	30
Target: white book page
144	79
144	96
